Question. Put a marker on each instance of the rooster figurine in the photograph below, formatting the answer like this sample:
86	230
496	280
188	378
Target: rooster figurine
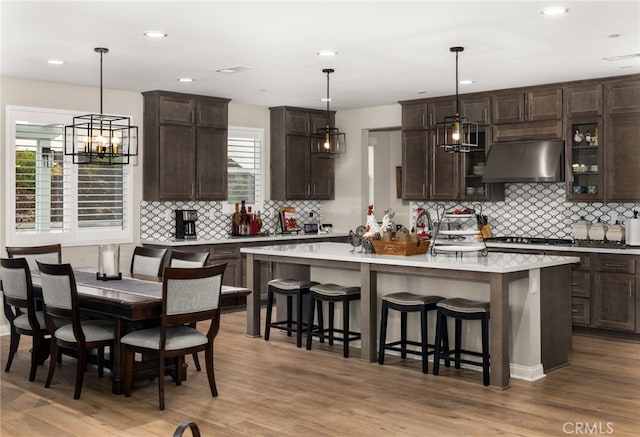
373	228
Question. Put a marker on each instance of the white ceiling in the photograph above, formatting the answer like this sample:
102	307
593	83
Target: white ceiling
387	50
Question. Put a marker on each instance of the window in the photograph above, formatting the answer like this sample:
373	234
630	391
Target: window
51	200
245	171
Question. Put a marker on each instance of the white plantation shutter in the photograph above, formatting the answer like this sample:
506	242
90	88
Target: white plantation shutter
42	186
245	174
51	200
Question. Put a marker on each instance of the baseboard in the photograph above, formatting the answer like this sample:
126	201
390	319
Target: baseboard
527	373
4	329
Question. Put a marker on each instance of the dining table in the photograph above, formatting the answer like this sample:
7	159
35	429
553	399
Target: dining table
127	301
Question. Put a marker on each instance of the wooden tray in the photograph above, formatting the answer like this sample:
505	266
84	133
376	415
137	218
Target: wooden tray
402	248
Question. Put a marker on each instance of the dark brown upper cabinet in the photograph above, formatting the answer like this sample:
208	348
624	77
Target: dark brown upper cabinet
623	96
476	109
296	174
426	114
622	157
185	147
524	106
584	100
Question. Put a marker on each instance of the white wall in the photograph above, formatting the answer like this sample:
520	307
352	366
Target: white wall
349	208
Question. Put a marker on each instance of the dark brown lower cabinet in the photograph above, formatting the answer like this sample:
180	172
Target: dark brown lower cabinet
615	292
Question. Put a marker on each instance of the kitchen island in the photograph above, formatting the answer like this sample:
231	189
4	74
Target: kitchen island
533	332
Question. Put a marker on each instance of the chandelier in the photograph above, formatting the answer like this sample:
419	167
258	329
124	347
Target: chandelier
328	142
99	138
457	134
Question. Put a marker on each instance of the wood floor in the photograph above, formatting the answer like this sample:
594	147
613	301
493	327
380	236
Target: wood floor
272	388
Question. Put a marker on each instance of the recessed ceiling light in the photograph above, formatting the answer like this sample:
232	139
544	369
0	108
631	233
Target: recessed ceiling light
234	69
422	92
155	34
621	57
55	62
324	99
326	53
554	10
626	66
465	82
186	79
614	35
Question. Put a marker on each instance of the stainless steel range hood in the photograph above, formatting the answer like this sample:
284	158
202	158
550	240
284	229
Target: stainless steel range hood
530	161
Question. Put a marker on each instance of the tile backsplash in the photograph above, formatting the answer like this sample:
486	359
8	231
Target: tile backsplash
157	219
537	210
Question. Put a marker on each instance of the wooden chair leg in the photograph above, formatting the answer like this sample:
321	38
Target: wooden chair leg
345	328
196	361
35	352
82	365
52	362
310	314
100	362
13	348
458	344
383	332
403	334
208	356
424	333
267	323
161	381
299	319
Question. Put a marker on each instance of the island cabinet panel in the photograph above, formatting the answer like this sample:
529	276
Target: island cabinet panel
584	100
623	96
297	174
185	147
622	157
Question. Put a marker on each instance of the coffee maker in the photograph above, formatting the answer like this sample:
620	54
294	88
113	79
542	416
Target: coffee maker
186	224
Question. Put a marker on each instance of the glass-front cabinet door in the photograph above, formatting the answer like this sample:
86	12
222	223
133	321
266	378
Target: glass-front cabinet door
474	162
584	159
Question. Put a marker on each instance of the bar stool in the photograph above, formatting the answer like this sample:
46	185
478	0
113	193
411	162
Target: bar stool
462	309
332	293
288	288
406	303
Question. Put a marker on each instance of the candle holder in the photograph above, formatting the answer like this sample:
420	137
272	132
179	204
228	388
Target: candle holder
108	262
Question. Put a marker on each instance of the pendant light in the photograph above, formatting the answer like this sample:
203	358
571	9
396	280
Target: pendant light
457	134
99	138
328	142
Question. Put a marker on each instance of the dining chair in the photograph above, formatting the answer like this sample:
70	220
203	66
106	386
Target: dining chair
51	254
181	259
148	262
17	294
60	296
188	295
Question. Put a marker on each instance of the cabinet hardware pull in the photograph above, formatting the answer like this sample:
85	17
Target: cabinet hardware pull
612	265
423	119
573	284
574	311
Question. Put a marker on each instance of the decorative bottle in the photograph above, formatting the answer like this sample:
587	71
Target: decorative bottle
235	221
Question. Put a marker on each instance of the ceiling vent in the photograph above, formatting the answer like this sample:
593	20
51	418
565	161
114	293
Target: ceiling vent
621	57
234	69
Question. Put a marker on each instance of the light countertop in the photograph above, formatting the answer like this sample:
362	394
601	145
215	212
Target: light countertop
240	239
494	262
621	250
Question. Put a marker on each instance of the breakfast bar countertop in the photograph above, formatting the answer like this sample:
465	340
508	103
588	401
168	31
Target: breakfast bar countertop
494	262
